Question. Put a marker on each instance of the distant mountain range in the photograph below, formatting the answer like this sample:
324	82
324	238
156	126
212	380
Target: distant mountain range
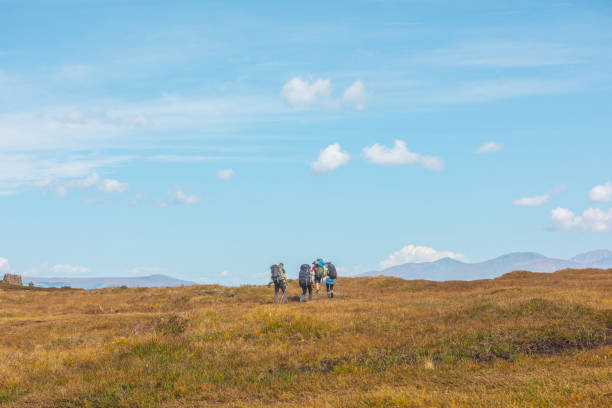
440	270
97	283
451	269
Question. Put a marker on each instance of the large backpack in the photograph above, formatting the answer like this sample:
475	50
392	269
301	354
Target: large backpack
331	271
319	271
275	273
304	276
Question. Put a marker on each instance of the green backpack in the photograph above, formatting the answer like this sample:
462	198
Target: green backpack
319	271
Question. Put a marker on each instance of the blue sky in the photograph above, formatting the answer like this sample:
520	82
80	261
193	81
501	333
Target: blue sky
208	140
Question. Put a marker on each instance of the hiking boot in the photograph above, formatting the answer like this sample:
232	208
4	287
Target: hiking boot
332	294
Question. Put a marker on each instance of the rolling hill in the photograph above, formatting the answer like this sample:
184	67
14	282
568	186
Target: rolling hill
451	269
521	340
107	282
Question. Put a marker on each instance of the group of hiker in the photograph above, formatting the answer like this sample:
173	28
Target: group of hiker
309	277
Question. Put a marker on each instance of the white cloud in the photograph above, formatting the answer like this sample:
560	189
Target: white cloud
300	93
490	147
399	154
225	174
41	169
46	185
109	186
4	265
224	273
68	270
180	197
532	201
330	159
61	141
356	95
412	253
102	124
601	193
591	220
57	270
89	181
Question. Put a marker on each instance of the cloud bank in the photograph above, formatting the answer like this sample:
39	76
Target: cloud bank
591	220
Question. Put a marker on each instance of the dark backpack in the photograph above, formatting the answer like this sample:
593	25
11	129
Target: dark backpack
304	276
331	271
275	273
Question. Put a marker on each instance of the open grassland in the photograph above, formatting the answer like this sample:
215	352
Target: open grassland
522	340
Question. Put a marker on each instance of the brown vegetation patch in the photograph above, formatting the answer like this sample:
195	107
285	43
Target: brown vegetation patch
521	340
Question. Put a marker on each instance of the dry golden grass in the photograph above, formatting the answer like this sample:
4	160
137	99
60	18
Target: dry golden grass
522	340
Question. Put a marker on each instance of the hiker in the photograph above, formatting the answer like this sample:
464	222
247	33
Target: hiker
279	278
305	279
330	280
318	268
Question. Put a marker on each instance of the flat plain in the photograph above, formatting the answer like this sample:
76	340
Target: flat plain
521	340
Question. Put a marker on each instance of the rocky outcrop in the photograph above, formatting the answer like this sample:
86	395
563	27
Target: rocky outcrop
12	279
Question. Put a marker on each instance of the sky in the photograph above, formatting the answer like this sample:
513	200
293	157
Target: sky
209	140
